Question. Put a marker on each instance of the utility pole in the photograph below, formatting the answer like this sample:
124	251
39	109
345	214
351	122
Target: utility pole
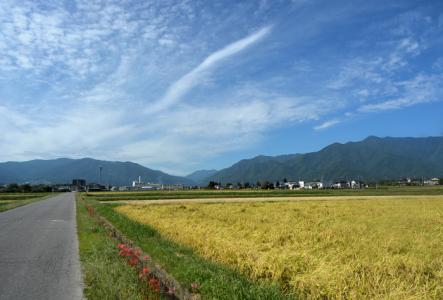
100	168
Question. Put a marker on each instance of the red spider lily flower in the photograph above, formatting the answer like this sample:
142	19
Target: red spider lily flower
121	246
143	272
133	261
155	284
137	252
146	257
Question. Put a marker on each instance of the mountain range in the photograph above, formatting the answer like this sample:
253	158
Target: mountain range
372	159
63	170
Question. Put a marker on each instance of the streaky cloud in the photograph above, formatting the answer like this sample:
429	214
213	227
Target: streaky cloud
327	124
179	88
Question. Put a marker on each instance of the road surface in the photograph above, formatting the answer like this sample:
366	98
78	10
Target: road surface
39	251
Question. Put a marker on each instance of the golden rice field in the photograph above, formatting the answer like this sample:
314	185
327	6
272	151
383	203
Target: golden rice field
382	248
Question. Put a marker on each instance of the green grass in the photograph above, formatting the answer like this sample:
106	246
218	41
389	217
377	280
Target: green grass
106	275
10	201
216	280
195	194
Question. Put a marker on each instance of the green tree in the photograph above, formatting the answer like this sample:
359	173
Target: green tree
266	185
26	188
13	188
212	184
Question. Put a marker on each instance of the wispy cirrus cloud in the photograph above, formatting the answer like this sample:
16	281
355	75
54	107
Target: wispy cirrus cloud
179	88
327	124
418	90
389	78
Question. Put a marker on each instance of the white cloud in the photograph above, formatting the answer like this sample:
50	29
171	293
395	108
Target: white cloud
73	133
179	88
388	79
420	89
327	124
185	136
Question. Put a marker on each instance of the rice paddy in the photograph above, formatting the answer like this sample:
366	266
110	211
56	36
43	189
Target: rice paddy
13	200
353	248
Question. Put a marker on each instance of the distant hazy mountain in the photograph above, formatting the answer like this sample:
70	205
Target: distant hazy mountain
200	176
63	170
371	159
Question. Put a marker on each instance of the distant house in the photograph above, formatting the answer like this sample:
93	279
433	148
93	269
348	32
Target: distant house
342	185
172	187
292	185
337	185
295	185
95	187
433	181
147	186
313	185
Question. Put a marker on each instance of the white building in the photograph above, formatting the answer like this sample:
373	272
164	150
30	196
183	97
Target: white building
147	186
313	185
292	185
433	181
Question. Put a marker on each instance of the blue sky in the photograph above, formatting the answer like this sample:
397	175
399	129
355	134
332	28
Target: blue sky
186	85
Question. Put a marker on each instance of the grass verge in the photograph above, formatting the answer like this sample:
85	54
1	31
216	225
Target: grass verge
106	275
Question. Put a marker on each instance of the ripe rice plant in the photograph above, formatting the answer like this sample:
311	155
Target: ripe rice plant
379	248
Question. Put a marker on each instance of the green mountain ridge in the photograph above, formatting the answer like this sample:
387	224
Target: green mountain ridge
63	170
372	159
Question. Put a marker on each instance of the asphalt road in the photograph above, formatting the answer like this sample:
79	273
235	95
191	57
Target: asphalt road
39	251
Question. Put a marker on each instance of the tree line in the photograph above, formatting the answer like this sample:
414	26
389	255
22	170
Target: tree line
25	188
266	185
